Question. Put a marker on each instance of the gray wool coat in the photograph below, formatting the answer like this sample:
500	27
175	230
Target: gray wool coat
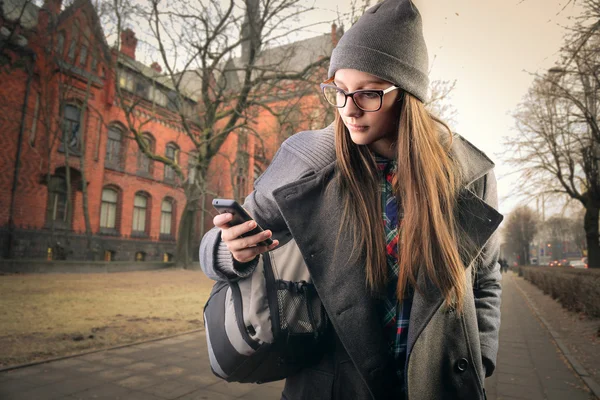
448	355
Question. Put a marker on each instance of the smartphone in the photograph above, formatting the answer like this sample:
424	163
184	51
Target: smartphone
240	215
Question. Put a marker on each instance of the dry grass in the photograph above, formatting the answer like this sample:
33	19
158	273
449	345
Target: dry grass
50	315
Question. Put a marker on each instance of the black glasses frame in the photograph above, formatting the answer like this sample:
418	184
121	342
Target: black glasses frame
380	92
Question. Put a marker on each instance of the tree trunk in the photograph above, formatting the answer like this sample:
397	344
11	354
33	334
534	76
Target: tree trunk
86	213
185	237
591	234
69	200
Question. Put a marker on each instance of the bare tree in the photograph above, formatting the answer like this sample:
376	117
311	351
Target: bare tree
439	103
558	147
519	230
213	93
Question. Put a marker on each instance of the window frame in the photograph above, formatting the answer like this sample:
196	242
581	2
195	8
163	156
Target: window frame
76	149
144	159
57	189
145	217
110	144
169	172
167	235
117	205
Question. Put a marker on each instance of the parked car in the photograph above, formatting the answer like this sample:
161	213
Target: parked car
564	263
579	263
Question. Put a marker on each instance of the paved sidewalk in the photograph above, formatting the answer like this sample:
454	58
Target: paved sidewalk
530	367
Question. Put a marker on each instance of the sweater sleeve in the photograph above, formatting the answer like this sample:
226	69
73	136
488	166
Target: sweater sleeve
215	259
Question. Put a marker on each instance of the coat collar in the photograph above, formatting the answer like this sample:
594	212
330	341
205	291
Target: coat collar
311	209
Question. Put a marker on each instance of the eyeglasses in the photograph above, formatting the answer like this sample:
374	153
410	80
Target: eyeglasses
368	100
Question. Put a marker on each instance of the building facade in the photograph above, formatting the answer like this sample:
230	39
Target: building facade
65	138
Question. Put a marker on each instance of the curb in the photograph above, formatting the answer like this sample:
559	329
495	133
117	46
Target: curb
577	367
31	364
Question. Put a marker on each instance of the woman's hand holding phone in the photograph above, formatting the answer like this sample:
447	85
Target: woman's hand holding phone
243	249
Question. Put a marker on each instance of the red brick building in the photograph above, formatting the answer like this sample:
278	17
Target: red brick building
60	122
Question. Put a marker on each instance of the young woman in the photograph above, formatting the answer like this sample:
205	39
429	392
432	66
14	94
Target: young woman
395	219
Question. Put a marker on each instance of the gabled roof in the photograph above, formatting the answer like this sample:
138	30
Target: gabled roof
87	7
288	58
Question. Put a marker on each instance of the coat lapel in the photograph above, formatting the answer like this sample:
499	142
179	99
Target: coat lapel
478	221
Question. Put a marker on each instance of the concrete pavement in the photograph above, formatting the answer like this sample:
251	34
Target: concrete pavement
530	366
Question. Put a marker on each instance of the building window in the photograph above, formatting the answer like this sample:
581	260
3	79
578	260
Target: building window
126	80
108	211
109	255
157	96
83	55
94	63
140	208
240	184
171	154
192	163
71	53
72	128
113	148
144	163
60	44
166	217
58	206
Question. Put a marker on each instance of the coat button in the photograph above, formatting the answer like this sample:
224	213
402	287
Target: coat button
462	365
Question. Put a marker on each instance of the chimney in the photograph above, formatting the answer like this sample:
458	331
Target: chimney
53	6
128	43
156	66
334	38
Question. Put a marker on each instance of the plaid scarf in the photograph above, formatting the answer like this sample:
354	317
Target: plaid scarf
395	313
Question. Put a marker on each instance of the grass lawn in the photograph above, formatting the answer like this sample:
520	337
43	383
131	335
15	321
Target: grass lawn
49	315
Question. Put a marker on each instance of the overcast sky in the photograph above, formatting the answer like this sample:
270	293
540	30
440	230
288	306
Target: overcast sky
489	47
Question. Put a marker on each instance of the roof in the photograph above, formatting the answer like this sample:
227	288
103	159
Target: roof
289	58
158	77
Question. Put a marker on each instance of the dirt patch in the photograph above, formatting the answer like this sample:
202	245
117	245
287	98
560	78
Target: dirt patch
52	315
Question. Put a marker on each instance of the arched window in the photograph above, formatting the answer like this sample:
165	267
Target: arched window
57	210
83	52
108	210
113	148
192	163
144	163
140	214
71	128
73	43
166	217
172	153
60	44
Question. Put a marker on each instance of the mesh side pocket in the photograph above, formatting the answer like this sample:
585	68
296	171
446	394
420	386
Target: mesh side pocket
294	298
293	314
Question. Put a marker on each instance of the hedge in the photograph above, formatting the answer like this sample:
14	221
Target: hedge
577	290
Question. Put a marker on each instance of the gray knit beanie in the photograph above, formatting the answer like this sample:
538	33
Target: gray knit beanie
387	41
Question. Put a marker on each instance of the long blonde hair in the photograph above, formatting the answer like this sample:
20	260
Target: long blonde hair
426	184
